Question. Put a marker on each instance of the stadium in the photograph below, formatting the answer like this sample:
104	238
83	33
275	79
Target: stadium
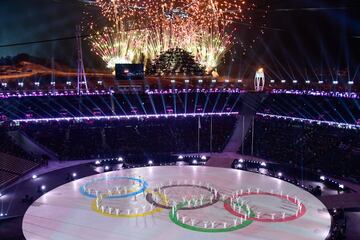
179	119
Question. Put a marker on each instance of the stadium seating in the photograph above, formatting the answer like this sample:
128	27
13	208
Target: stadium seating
14	161
313	107
6	177
317	147
90	140
15	165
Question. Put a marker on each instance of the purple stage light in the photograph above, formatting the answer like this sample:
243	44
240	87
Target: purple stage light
312	121
119	117
352	95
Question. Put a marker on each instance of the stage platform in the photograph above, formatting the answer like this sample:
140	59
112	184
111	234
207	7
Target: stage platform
177	203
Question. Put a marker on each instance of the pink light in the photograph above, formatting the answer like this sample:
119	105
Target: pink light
312	121
317	93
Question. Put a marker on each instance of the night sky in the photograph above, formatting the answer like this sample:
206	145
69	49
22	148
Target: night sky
328	36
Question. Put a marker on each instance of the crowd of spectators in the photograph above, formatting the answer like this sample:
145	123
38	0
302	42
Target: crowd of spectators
301	144
101	139
345	110
8	146
14	161
119	104
312	146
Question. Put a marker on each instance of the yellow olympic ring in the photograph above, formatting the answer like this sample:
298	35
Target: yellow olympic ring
144	214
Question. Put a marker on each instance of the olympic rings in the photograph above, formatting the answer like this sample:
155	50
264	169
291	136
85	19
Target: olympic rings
245	215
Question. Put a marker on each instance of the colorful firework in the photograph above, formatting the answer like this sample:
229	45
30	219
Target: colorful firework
116	46
210	48
157	13
141	30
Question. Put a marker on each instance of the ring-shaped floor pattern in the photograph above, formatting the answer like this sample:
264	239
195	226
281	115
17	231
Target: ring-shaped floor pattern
65	214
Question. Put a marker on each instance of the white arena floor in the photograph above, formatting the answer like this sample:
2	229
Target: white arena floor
177	203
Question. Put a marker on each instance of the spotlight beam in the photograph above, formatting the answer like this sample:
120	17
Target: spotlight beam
196	101
118	104
174	102
207	101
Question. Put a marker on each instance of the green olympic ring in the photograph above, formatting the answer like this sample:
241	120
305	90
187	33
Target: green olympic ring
174	219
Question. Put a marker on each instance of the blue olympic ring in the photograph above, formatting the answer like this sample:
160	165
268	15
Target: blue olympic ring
141	190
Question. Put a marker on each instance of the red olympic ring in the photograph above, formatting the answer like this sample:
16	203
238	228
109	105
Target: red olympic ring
300	213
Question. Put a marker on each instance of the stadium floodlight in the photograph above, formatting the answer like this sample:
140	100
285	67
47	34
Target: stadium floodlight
194	161
239	165
34	176
100	82
172	81
295	81
263	164
227	80
213	81
4	84
351	82
187	81
201	81
279	174
335	82
107	168
322	178
203	157
272	81
341	186
74	174
283	81
150	162
52	83
241	160
180	157
43	187
37	83
120	159
321	82
97	162
307	81
239	80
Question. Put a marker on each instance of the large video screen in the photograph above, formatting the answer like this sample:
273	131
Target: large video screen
129	71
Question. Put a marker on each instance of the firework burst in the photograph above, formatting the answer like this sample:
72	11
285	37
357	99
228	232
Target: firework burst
116	46
141	30
210	47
